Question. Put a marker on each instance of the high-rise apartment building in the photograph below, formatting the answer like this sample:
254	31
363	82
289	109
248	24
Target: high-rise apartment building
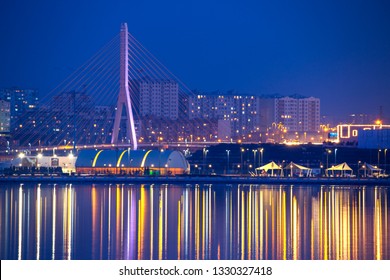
239	112
21	101
298	114
257	117
157	98
5	117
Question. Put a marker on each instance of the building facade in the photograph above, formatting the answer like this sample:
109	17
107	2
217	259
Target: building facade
258	118
21	101
298	114
5	118
237	113
158	98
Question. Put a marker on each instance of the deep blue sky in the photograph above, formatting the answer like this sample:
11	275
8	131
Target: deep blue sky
337	50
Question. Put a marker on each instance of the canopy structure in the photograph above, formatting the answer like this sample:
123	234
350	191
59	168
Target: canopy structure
370	170
342	170
270	167
298	169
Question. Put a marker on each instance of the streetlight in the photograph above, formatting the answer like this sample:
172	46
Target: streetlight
205	151
261	153
379	152
254	158
335	156
228	153
357	171
242	153
385	160
328	151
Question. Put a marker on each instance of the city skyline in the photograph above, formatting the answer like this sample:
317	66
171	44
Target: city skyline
338	51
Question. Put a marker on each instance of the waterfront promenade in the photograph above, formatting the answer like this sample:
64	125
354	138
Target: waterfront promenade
193	179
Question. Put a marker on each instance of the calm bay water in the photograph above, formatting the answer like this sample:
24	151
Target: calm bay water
51	221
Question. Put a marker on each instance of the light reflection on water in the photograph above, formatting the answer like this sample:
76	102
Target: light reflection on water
193	222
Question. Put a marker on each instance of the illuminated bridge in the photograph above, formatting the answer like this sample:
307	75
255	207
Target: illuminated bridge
121	97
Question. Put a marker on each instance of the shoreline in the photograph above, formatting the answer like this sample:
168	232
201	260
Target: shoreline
197	180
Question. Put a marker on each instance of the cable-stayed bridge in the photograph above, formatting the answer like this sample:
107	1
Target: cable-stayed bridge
121	96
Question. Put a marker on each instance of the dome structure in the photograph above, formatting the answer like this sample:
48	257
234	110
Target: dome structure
139	162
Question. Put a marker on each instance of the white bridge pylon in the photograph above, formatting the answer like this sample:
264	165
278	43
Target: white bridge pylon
124	93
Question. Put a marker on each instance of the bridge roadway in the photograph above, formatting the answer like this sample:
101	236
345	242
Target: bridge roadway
177	145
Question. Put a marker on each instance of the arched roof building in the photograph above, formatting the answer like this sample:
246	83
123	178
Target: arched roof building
149	162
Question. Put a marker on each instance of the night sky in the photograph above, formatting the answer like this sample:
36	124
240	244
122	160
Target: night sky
338	51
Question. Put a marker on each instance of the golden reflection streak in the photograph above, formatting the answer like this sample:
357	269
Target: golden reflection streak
325	232
295	228
141	222
312	237
20	201
122	251
38	215
94	214
377	225
118	209
284	226
261	225
160	226
53	249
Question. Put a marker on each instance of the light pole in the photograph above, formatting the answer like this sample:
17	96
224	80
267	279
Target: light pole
328	151
254	158
379	152
385	160
227	169
205	151
357	171
261	156
335	156
242	153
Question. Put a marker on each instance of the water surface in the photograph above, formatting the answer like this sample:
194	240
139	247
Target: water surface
49	221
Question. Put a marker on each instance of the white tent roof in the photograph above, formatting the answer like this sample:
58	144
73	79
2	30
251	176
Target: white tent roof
296	166
340	167
372	167
269	166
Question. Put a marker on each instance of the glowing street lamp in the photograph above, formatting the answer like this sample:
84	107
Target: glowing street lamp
254	158
261	153
242	153
328	151
228	153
